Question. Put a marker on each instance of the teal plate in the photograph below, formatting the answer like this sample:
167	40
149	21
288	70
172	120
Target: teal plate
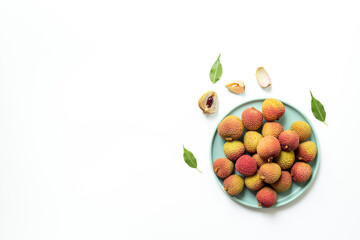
247	197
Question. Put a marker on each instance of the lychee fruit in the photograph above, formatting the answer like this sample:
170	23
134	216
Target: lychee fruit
254	183
272	129
289	140
302	129
252	118
270	172
269	148
233	150
246	165
251	140
230	128
233	184
284	182
266	197
306	151
301	172
285	159
272	109
259	161
223	167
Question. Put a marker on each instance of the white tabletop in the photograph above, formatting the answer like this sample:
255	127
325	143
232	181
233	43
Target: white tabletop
98	97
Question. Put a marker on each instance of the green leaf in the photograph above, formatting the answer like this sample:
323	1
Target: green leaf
216	70
318	109
190	159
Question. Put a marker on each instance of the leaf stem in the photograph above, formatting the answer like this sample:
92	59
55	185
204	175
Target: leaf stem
199	170
326	124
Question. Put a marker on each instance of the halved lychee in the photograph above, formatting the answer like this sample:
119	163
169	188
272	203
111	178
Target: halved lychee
208	102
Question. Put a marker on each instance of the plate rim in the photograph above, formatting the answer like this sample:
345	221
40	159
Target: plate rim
314	173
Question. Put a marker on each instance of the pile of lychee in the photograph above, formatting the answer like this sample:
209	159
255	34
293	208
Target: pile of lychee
268	161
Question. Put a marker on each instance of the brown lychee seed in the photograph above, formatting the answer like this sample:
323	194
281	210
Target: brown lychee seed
236	86
208	102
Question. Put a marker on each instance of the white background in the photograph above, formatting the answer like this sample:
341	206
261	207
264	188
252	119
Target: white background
97	98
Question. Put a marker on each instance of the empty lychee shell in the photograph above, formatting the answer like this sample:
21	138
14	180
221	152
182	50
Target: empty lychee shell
236	86
263	77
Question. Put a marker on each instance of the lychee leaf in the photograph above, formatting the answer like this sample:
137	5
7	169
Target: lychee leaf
190	159
216	70
318	109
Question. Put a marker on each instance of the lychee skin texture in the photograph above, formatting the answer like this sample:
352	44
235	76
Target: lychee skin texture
230	128
259	161
251	140
302	129
289	140
284	182
272	109
270	172
266	197
306	151
223	167
269	148
252	118
272	129
285	159
233	184
254	183
246	165
233	150
301	172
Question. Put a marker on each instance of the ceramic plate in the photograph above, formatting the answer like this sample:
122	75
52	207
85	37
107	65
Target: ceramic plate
247	197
